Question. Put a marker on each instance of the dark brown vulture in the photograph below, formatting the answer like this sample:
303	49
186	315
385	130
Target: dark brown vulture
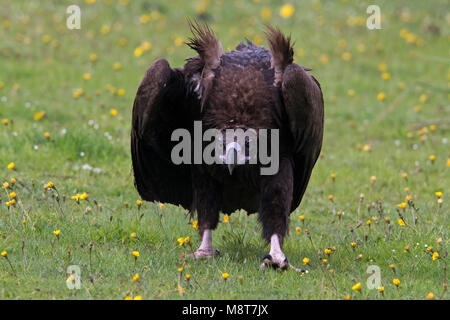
247	88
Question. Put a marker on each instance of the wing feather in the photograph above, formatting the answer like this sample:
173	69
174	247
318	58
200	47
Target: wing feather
303	104
158	110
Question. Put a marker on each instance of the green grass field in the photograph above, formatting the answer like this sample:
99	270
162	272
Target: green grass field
65	101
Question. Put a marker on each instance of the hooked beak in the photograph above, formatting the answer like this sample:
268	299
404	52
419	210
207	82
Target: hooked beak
232	156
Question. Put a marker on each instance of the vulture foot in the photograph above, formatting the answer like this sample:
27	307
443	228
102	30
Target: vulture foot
204	253
275	261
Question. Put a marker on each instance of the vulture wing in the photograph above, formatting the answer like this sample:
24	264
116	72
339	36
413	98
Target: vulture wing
303	103
159	108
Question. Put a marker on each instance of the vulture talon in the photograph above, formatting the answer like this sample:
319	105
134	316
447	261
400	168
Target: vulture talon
268	261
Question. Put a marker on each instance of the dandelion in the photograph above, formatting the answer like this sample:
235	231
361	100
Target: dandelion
195	224
396	282
298	230
368	222
353	244
373	178
305	261
287	11
13	195
180	241
327	252
381	290
266	13
347	297
187	276
11	166
137	298
333	176
135	277
430	296
49	185
385	75
178	41
84	196
138	52
423	98
438	194
133	235
47	135
346	56
401	222
93	57
187	240
57	233
357	287
162	206
402	205
392	266
225	276
324	58
139	203
76	197
113	112
366	147
135	254
128	298
5	121
105	29
87	76
435	256
302	218
381	96
226	218
13	180
330	197
382	67
5	185
4	254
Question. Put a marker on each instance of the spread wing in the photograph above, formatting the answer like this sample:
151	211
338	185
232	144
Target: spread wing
159	108
303	102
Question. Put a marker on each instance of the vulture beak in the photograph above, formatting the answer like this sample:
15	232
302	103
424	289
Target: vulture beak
231	159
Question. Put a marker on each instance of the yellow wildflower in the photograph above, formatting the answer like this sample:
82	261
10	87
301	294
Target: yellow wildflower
287	11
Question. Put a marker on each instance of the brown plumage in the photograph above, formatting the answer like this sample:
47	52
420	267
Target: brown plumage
249	87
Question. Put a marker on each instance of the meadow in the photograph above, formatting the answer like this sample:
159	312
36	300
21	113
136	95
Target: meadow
377	196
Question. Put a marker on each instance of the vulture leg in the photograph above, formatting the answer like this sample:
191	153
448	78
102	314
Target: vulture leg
206	249
207	202
276	197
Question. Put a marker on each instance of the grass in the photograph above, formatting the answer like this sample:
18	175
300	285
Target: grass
43	64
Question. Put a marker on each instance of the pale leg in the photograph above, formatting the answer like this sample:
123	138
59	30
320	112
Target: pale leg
206	249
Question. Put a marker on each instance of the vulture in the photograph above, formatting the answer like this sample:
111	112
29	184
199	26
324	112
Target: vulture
249	88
